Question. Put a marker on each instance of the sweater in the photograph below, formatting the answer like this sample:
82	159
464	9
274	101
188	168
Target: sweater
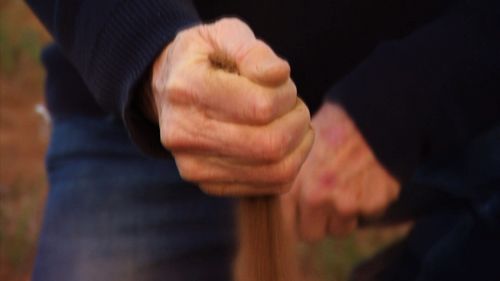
421	79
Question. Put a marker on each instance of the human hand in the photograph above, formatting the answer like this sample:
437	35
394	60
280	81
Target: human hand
340	181
228	111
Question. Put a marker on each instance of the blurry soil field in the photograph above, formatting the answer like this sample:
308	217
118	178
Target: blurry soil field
23	140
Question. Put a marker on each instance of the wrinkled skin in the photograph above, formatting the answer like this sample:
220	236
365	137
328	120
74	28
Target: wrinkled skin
340	181
234	124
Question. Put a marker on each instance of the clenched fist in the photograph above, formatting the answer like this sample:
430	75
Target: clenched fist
229	112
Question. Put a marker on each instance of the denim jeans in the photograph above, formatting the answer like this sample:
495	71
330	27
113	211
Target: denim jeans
114	214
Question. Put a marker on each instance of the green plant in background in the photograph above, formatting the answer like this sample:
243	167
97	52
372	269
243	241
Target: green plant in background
333	259
22	186
339	256
18	233
19	40
30	43
7	56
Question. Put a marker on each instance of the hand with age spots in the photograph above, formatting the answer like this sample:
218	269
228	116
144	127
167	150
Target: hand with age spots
340	181
229	112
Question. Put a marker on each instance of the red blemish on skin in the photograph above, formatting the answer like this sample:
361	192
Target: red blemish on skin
327	181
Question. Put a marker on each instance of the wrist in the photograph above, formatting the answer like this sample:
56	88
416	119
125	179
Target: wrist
157	71
148	99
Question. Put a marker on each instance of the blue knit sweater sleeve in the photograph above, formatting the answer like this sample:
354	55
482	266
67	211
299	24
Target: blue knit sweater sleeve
112	43
431	92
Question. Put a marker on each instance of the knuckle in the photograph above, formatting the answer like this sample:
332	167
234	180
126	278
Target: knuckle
229	21
264	109
274	148
220	189
290	92
181	35
211	189
169	138
176	88
205	188
286	171
233	22
187	168
173	84
192	170
343	202
187	35
304	111
262	45
157	84
286	97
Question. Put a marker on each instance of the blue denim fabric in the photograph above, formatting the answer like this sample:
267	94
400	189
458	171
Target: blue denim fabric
113	214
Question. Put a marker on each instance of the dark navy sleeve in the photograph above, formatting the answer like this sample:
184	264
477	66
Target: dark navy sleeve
112	44
430	92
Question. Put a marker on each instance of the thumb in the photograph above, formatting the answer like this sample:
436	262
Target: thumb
233	40
261	65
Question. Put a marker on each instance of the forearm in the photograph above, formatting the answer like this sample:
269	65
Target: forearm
430	92
112	43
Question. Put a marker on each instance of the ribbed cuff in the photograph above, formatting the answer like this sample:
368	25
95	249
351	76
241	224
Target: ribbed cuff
126	48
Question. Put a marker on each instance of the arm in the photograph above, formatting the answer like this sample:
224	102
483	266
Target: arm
220	100
429	93
420	97
112	44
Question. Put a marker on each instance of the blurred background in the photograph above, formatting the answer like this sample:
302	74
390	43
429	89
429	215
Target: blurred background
24	132
23	138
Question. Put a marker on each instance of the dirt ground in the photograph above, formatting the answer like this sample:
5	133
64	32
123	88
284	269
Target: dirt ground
24	138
